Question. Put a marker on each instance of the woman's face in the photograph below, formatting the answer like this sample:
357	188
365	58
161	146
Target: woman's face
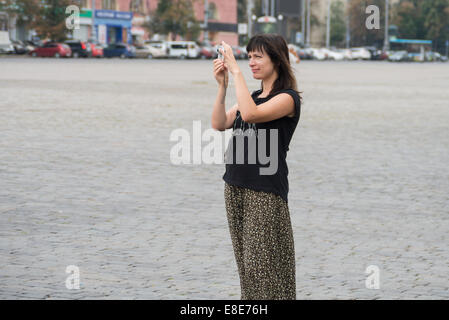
260	64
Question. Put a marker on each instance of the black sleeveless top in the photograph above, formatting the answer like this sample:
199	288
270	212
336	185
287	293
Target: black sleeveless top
249	159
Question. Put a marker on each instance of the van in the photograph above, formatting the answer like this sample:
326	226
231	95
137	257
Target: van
183	49
5	43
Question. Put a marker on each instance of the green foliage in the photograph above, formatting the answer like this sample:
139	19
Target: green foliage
338	26
177	17
49	21
24	10
423	20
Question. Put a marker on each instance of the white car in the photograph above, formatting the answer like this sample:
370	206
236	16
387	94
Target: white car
6	48
5	43
347	53
147	51
333	55
318	54
398	56
183	49
360	54
158	49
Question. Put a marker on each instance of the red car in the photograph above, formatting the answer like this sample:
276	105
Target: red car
97	51
52	49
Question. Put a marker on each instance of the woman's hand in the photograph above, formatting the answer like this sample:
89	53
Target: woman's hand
229	59
221	73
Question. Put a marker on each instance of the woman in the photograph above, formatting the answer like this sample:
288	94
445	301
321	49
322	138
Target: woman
257	203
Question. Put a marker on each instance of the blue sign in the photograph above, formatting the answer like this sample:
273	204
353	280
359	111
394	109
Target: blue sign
299	37
110	14
410	41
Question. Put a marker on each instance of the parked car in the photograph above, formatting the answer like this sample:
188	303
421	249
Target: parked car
207	51
305	54
379	55
360	54
318	54
52	49
434	56
5	43
238	52
415	56
376	54
333	55
79	48
183	49
96	49
143	51
148	51
159	49
347	53
398	56
30	45
7	48
244	52
121	50
19	47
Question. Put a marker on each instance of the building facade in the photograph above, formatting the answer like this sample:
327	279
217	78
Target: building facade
124	20
222	20
111	21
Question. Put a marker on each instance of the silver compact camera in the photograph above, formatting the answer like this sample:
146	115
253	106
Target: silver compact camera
220	56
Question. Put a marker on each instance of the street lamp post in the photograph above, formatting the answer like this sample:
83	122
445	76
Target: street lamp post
249	11
308	24
328	26
254	23
303	19
348	32
280	18
206	18
386	40
94	31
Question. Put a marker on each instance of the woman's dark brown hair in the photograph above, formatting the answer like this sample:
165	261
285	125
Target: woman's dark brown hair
276	47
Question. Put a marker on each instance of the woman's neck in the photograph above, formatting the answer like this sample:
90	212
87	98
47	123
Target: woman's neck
267	84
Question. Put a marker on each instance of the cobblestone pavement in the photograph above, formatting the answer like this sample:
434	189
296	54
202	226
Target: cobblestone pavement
86	180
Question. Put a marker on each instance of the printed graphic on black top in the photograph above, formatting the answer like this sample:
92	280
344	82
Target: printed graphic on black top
239	123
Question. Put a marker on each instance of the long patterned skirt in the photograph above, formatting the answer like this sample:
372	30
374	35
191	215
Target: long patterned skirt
262	238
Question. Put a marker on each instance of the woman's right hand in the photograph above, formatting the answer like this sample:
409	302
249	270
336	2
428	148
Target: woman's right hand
221	73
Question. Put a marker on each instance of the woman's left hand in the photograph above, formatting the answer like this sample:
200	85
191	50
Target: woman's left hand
229	59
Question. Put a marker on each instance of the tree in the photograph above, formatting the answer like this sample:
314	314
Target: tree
436	19
24	10
50	20
423	20
176	17
408	16
338	26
